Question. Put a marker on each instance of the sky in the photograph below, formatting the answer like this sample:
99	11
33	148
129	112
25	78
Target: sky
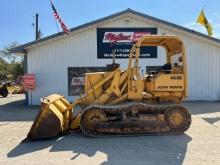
17	16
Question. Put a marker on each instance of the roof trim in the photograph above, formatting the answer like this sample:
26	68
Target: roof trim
22	48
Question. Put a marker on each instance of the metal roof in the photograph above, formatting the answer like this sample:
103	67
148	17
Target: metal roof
22	48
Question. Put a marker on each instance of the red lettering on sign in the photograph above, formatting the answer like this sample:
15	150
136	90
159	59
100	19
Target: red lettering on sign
111	37
138	35
115	37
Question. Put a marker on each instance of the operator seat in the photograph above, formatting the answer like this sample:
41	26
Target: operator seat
167	68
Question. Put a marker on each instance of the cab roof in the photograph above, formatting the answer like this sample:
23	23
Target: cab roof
171	43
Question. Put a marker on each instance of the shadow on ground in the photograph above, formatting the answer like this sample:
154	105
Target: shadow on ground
212	120
197	108
126	150
18	110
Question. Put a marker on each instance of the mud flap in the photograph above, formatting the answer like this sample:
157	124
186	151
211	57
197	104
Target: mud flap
53	118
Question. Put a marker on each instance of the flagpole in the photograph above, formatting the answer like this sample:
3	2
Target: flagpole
57	25
56	21
194	26
203	7
196	21
57	17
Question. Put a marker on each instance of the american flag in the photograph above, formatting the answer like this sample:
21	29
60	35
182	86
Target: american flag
56	15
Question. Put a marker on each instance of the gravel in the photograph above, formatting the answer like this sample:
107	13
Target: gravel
199	145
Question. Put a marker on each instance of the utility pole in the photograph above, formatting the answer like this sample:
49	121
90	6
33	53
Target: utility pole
36	27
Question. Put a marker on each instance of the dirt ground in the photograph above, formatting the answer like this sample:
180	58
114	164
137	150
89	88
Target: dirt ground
199	145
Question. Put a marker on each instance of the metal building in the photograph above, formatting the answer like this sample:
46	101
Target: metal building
55	57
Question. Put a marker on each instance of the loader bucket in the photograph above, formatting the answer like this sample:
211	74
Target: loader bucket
52	119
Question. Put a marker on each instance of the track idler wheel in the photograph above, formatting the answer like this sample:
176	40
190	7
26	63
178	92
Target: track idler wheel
90	120
178	119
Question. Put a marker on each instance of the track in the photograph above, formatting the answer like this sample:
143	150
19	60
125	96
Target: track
133	118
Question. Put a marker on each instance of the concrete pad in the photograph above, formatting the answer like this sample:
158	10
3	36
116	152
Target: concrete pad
199	145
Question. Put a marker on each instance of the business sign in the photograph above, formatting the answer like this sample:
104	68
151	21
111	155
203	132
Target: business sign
29	82
121	40
76	78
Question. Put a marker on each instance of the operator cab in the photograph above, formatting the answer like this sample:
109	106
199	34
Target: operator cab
166	81
175	67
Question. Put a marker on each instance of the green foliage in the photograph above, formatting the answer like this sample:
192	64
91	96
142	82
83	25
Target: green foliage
8	56
16	70
11	65
3	69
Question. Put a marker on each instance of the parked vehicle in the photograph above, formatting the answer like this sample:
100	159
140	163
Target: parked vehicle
4	90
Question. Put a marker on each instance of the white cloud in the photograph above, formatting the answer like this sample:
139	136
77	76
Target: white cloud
189	24
214	19
217	35
195	26
202	29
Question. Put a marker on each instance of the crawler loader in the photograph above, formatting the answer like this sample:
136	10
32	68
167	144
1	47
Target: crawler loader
124	102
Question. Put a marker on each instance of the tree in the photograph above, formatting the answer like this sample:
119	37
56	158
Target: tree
3	69
8	56
15	70
40	34
11	65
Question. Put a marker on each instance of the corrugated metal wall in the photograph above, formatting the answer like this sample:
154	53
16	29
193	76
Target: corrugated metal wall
50	61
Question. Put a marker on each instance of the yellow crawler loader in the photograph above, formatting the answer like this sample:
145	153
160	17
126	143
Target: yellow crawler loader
124	102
